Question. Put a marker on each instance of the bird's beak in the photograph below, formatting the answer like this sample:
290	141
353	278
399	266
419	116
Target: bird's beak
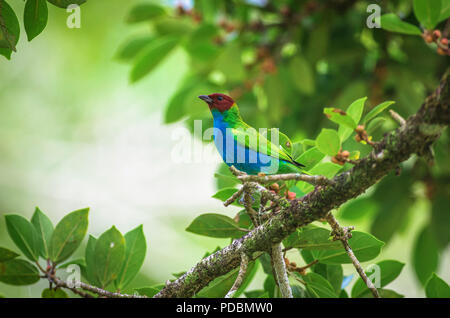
206	98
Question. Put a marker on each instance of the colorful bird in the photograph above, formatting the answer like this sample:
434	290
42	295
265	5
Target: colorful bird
241	145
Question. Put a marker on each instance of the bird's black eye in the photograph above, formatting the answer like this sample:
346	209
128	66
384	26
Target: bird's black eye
219	98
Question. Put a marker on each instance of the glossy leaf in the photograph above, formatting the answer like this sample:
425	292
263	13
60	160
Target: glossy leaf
220	286
145	12
65	3
425	255
136	248
388	270
133	47
224	194
10	30
436	287
339	117
357	209
328	142
68	235
35	17
6	255
44	230
18	272
24	235
151	56
215	225
109	256
54	293
376	110
427	12
91	268
318	287
355	111
310	157
149	291
393	23
311	237
364	245
332	273
302	75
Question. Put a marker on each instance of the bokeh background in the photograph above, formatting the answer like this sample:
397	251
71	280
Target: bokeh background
75	132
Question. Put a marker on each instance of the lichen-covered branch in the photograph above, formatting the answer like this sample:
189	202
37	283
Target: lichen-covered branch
279	267
314	180
343	234
240	277
415	137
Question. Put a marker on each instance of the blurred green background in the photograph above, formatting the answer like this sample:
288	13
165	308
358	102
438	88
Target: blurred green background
74	132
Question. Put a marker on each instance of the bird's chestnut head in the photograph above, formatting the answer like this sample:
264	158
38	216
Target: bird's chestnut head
221	102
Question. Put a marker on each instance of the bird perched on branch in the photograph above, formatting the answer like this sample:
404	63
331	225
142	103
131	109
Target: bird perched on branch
241	145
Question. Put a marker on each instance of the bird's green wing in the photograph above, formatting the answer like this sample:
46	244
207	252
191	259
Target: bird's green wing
250	138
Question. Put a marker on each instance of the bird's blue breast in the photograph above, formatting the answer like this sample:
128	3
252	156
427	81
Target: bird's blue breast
235	154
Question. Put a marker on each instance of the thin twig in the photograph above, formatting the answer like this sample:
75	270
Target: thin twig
343	235
76	285
280	270
314	180
240	277
399	119
234	197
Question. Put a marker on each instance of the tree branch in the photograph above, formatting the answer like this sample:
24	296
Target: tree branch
418	133
279	267
240	277
343	234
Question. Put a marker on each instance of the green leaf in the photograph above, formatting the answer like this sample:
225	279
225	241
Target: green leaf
6	255
364	245
388	270
328	142
91	268
135	251
445	10
318	287
215	225
220	286
149	291
440	218
109	256
9	30
384	293
133	47
145	12
302	75
24	235
18	272
35	17
357	209
326	169
391	22
65	3
54	293
332	273
310	157
375	124
44	230
68	235
425	255
151	56
376	110
311	237
436	287
427	12
339	117
355	111
229	62
224	194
